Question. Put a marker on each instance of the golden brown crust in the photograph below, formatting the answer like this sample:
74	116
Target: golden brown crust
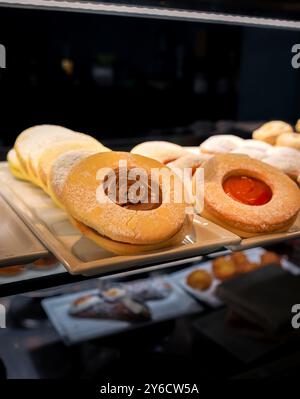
199	279
162	151
121	248
111	220
289	140
270	131
275	216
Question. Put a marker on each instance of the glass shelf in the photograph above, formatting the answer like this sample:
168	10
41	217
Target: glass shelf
275	14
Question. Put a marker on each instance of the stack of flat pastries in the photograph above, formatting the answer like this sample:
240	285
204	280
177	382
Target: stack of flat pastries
38	148
66	165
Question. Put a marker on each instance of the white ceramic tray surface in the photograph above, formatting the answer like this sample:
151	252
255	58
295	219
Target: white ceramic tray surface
17	243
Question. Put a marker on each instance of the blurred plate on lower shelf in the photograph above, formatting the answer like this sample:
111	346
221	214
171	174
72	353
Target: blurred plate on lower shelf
17	243
262	240
82	256
208	296
77	329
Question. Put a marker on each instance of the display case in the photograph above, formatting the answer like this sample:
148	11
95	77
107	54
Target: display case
131	72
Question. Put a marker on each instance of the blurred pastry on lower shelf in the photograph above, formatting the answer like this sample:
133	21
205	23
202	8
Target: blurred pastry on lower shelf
224	268
123	309
268	258
199	279
11	271
48	261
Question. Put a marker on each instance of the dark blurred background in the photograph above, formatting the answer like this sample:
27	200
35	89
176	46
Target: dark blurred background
128	79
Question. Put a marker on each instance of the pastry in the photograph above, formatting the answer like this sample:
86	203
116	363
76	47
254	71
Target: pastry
51	153
220	144
287	164
199	279
60	170
15	166
248	197
250	152
297	126
288	152
253	148
190	161
161	151
289	140
121	225
32	142
270	131
11	270
93	306
224	268
268	258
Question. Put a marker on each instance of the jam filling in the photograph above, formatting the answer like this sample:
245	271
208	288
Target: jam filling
247	190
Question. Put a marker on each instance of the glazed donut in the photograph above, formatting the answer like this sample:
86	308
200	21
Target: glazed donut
161	151
220	144
269	131
288	165
248	197
123	227
60	170
289	140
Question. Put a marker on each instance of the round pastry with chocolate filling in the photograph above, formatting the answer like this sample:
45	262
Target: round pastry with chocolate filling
248	196
114	200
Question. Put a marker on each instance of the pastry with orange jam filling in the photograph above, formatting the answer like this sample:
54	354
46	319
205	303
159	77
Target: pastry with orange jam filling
248	197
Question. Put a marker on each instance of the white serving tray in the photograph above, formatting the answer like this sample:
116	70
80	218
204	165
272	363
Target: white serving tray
74	330
82	256
17	243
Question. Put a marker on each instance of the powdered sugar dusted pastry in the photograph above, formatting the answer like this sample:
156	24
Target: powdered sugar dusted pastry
191	161
289	140
124	227
250	152
248	197
60	170
283	152
162	151
287	164
270	131
256	145
15	166
220	144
